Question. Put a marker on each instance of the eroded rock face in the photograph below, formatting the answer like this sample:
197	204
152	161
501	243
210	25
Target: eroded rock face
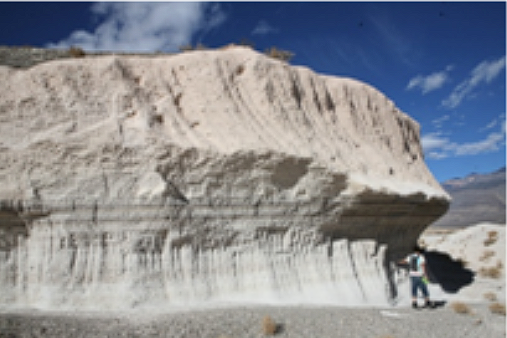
206	176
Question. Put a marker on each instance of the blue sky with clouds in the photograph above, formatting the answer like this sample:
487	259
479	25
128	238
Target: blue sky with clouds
443	63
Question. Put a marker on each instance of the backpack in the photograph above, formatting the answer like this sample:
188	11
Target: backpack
413	262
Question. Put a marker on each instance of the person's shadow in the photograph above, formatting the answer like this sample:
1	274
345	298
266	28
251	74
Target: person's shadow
449	273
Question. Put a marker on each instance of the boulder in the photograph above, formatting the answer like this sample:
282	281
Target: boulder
131	181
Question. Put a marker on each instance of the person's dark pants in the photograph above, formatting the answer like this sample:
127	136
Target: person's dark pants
418	284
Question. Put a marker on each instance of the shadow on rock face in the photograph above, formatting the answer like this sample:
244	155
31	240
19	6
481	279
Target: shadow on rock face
449	273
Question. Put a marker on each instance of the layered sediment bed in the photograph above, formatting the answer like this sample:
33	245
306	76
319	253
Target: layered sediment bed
206	176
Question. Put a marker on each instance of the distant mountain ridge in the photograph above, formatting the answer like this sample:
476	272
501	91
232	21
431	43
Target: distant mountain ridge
475	198
474	178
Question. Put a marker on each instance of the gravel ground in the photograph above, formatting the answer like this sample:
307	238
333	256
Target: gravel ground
297	322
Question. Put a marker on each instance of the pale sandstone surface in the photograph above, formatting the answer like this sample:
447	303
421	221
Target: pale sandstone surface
206	176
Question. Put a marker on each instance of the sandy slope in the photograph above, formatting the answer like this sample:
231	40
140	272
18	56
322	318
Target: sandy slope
481	248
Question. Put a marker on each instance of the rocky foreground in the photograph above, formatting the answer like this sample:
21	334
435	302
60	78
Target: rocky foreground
249	322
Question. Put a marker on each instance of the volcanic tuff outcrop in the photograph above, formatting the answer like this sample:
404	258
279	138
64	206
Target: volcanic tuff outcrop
209	175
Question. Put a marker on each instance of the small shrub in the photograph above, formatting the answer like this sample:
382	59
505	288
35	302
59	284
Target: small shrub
200	46
492	272
186	48
492	238
486	255
279	54
490	296
189	47
268	326
76	52
460	308
497	308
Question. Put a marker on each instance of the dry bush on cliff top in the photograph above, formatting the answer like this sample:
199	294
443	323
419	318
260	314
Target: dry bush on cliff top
190	47
76	52
279	54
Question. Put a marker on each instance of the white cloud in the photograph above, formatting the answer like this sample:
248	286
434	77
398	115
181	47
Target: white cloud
437	147
437	123
484	72
434	145
493	123
431	82
433	141
263	28
435	155
490	125
144	26
491	143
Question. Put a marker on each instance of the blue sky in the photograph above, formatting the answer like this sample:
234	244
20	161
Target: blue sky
443	63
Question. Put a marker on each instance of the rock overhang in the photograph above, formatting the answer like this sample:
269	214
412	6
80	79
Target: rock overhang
306	112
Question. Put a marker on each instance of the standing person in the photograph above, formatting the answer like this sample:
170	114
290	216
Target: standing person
418	276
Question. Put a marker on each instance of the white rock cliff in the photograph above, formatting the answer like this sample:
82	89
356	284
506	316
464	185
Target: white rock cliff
131	181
